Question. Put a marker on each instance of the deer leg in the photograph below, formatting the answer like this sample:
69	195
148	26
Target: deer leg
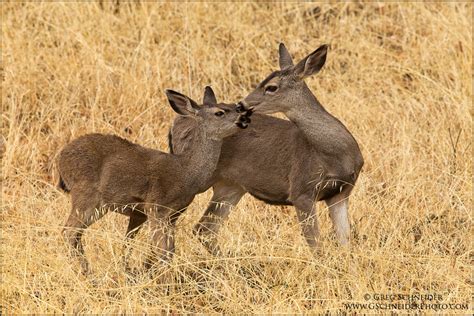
224	198
162	241
83	214
338	211
137	218
306	212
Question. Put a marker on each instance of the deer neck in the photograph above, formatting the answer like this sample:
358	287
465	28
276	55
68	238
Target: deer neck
200	159
321	129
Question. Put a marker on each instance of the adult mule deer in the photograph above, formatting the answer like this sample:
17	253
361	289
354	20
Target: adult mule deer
310	158
107	173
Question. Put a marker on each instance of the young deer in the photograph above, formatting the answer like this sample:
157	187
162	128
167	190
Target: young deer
312	158
107	173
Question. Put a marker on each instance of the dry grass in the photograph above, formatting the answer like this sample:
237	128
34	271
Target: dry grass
398	75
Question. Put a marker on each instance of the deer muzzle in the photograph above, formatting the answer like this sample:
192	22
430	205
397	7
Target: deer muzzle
244	118
242	107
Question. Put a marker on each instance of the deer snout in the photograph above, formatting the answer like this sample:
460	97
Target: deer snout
240	108
244	109
243	121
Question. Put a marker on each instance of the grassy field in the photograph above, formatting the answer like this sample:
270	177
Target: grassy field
398	75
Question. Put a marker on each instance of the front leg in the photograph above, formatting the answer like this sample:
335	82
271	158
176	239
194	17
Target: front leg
306	211
137	218
226	195
161	240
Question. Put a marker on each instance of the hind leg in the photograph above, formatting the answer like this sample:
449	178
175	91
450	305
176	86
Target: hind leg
225	196
338	211
83	214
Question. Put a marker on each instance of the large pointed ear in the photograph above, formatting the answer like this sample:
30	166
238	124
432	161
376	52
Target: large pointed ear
312	63
209	96
182	104
285	58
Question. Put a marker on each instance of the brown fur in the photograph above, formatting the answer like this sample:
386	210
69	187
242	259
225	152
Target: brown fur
107	173
309	158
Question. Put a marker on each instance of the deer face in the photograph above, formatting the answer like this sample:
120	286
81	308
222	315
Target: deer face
285	88
218	120
222	120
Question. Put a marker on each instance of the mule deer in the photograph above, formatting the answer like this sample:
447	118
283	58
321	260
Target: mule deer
310	158
107	173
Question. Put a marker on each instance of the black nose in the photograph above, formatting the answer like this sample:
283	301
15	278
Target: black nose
242	125
240	108
244	119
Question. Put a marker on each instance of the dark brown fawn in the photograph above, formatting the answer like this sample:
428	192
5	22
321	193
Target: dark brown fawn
107	173
310	158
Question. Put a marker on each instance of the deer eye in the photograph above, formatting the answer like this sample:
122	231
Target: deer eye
271	88
220	113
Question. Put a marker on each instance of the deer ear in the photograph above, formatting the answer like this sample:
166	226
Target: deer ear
209	96
182	104
312	63
285	58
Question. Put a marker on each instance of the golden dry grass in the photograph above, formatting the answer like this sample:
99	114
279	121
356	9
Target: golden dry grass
398	75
